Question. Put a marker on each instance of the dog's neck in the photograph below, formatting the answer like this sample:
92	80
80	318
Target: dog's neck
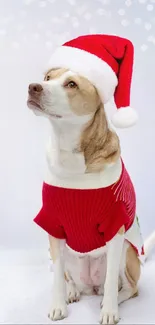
83	145
62	151
66	133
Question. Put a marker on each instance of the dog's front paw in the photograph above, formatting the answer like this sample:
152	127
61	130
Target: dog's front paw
109	316
58	310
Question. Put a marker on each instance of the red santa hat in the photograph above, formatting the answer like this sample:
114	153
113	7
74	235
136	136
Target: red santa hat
107	61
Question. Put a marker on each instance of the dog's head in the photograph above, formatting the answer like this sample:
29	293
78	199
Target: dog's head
67	96
63	95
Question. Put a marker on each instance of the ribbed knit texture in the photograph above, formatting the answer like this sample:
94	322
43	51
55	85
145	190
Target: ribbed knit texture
87	219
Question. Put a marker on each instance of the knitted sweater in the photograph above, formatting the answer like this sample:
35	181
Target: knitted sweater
88	218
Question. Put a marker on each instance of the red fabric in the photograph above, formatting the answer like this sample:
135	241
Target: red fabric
87	218
118	53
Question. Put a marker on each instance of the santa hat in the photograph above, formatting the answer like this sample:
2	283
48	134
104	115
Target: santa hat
107	61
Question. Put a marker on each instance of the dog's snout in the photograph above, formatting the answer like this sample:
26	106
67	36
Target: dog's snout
35	88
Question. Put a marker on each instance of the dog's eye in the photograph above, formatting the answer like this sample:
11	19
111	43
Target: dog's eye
47	78
71	84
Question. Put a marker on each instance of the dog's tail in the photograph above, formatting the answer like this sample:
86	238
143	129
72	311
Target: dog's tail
149	244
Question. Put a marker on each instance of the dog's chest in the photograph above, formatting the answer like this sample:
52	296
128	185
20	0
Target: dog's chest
86	270
72	162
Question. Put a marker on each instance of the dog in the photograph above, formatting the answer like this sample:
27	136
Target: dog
84	151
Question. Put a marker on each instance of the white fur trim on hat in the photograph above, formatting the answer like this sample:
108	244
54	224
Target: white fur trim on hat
88	65
124	117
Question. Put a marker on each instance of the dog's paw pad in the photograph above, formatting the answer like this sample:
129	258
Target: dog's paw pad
58	312
108	317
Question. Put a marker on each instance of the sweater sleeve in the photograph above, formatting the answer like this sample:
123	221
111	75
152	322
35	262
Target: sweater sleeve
116	218
52	227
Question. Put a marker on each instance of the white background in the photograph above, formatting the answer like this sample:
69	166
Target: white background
29	32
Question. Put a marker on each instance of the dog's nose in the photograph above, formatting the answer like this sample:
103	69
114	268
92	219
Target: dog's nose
35	89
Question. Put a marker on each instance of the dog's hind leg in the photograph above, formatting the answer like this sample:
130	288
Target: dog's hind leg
73	294
129	273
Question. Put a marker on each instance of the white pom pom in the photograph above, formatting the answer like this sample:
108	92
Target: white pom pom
124	117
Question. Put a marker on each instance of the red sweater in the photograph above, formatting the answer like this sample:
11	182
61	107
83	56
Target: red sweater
87	218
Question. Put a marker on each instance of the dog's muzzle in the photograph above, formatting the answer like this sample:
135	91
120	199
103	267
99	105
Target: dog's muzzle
34	91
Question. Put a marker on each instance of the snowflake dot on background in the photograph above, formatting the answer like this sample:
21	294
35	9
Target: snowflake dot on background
92	30
142	1
42	4
3	32
48	44
138	21
66	14
51	1
101	12
125	22
128	3
75	22
72	2
87	16
148	26
28	2
149	7
151	38
144	47
36	36
81	10
104	2
121	12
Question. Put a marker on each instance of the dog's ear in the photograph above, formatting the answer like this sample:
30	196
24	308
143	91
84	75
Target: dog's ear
99	145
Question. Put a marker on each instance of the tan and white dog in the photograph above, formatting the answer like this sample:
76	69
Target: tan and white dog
83	145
